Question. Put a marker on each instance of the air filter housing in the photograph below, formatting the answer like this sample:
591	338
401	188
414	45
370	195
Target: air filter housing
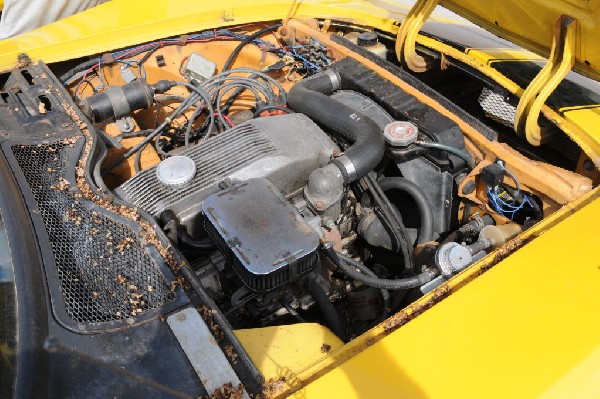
260	234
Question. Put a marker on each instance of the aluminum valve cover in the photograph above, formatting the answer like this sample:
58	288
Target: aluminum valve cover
284	149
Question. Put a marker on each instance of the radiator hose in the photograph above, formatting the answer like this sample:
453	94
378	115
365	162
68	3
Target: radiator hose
311	97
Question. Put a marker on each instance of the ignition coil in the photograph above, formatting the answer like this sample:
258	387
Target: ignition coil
120	101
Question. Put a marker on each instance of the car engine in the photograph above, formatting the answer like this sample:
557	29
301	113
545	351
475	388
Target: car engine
275	210
196	208
297	185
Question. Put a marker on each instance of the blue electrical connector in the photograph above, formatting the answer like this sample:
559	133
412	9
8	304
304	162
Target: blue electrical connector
508	207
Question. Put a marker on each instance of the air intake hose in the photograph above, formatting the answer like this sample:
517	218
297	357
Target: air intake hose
311	97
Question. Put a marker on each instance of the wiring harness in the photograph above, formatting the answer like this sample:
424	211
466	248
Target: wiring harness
206	99
211	99
307	58
506	200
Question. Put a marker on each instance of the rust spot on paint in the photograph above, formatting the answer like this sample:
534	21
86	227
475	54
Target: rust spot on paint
412	311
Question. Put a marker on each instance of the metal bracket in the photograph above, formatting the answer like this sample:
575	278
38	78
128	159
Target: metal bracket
407	35
562	59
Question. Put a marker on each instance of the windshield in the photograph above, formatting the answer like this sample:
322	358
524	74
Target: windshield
8	326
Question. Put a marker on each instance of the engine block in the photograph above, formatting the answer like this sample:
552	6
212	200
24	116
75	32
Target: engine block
283	149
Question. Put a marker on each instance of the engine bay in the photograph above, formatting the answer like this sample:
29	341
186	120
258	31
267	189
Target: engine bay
302	183
299	184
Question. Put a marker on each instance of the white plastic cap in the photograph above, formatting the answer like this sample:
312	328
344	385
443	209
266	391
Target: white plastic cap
176	170
400	133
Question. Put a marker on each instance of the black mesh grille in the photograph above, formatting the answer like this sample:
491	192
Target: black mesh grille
104	273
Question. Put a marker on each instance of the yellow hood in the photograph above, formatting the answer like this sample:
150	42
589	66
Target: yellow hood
530	24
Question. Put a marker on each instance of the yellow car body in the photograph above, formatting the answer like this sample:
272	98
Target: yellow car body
520	324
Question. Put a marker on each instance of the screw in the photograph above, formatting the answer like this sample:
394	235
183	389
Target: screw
588	165
23	59
319	205
224	184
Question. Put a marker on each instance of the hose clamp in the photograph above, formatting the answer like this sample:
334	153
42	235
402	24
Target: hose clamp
334	77
348	167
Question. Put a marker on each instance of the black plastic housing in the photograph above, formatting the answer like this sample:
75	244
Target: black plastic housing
493	175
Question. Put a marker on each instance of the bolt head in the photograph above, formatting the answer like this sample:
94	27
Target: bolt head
319	205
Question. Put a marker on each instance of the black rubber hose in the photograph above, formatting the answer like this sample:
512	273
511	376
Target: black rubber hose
205	245
415	192
453	237
271	107
396	284
243	43
469	229
443	147
311	97
394	221
96	171
385	295
334	322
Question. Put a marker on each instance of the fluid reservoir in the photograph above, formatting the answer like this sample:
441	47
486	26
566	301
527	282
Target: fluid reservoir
369	41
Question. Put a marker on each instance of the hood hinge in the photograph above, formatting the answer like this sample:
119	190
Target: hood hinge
407	35
562	59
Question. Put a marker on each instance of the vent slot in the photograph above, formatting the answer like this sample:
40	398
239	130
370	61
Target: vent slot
46	101
28	77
